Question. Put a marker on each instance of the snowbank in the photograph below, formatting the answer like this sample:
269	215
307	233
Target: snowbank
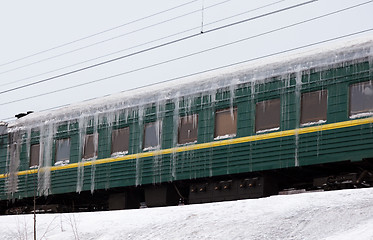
346	214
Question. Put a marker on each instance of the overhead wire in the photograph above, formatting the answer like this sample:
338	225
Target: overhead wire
157	46
229	44
142	44
224	66
101	32
110	39
171	60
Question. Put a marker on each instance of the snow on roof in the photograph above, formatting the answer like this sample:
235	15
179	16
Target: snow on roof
3	127
251	71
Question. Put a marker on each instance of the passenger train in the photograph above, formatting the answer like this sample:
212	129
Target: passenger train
302	121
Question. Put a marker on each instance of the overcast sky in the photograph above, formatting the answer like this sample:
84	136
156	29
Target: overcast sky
43	39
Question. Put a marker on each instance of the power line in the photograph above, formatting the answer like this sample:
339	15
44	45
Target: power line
110	39
203	51
99	33
156	47
242	13
142	44
192	74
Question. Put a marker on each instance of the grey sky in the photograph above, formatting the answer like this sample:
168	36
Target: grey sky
29	27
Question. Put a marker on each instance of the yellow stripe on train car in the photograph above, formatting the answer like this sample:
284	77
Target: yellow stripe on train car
226	142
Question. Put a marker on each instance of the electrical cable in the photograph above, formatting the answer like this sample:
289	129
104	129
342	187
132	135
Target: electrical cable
191	74
253	59
99	33
156	47
220	46
142	44
110	39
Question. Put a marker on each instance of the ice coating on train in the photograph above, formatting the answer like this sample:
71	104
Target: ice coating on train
110	109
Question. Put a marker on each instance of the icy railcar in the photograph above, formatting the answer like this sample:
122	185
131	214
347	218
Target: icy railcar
240	133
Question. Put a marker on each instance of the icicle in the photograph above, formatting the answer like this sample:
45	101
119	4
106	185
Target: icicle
157	159
176	119
138	171
46	145
95	144
125	115
252	89
140	115
83	122
159	108
232	95
110	118
28	142
12	163
298	89
296	152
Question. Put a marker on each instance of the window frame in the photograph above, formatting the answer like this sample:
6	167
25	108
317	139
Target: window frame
359	113
95	146
275	127
158	140
126	130
195	129
313	120
56	160
222	111
31	165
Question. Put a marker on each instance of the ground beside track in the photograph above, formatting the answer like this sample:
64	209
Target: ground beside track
342	215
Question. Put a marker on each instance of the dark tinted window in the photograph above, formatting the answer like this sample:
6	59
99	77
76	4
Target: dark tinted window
361	98
34	155
188	126
267	115
151	135
226	122
313	106
120	140
63	149
89	150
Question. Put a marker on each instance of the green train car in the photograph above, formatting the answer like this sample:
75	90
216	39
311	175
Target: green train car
301	122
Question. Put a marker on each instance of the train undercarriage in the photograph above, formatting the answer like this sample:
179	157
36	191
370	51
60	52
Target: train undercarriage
324	177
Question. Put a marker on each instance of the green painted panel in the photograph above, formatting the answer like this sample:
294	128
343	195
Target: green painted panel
353	143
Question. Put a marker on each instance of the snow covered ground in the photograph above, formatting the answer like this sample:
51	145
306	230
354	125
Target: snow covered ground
342	215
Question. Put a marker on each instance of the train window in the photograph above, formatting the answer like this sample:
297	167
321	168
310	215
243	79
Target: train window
62	149
225	123
188	126
120	140
34	155
267	115
90	143
151	135
361	99
314	107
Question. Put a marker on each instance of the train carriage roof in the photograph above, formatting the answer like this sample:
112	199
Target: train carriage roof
252	71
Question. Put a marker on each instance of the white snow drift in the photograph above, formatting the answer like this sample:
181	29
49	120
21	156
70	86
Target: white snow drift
338	215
